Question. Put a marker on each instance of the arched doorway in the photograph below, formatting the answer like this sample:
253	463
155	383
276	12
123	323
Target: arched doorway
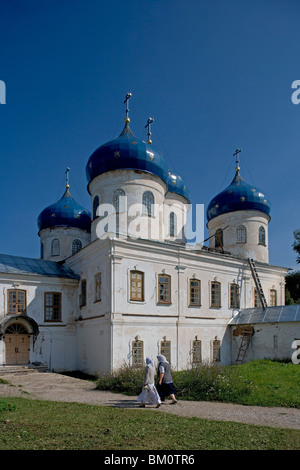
17	344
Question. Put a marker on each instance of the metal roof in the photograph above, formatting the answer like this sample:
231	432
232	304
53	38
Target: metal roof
284	313
20	265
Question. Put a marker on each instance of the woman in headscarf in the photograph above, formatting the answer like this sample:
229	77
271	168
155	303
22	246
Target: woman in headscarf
165	384
149	393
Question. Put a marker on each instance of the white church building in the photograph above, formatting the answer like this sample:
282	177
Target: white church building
121	283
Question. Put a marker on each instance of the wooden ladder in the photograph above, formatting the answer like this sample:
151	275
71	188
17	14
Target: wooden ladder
258	284
246	338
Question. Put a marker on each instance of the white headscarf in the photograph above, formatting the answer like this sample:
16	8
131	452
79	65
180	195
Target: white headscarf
149	361
161	358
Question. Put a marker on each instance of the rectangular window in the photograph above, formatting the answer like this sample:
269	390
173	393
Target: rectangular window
257	302
273	298
197	357
164	289
52	306
16	301
136	286
165	349
195	298
216	350
137	353
216	294
97	284
82	300
234	296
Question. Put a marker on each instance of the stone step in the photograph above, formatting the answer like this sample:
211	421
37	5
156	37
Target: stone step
23	369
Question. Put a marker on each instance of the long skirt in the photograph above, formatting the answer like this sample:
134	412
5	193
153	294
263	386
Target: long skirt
149	395
164	390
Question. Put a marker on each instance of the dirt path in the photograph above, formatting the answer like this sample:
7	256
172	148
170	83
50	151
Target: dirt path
56	387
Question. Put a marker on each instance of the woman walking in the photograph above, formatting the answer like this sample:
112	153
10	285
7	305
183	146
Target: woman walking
165	384
149	393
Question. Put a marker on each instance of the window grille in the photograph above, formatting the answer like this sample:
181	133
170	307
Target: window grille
195	298
165	349
216	350
136	285
197	355
16	301
241	234
215	294
118	200
262	236
137	353
148	202
234	296
52	306
76	246
164	288
273	298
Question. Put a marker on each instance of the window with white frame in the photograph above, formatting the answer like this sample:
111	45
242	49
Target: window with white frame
164	288
137	353
234	296
195	297
55	247
241	234
196	352
148	203
215	294
165	349
262	236
216	350
136	286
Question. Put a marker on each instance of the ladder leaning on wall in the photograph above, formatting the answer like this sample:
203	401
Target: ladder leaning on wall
258	284
245	342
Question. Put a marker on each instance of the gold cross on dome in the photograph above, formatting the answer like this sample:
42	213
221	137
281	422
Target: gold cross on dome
67	178
237	161
149	122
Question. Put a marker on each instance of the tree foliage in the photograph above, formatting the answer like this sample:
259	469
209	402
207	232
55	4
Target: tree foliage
292	288
296	244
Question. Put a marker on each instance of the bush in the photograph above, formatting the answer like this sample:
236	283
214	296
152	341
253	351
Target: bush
124	380
208	383
211	383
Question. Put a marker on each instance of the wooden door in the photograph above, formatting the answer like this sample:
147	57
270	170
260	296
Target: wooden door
17	345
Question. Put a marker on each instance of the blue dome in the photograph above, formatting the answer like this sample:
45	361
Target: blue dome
238	196
65	213
128	153
177	185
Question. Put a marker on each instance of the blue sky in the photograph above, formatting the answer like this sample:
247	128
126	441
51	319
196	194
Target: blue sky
215	75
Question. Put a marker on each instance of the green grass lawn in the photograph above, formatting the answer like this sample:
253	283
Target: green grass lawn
271	383
41	425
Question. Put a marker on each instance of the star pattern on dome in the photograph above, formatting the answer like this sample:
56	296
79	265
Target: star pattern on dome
117	154
238	196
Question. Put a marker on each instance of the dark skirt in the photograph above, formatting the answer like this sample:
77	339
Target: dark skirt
165	390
